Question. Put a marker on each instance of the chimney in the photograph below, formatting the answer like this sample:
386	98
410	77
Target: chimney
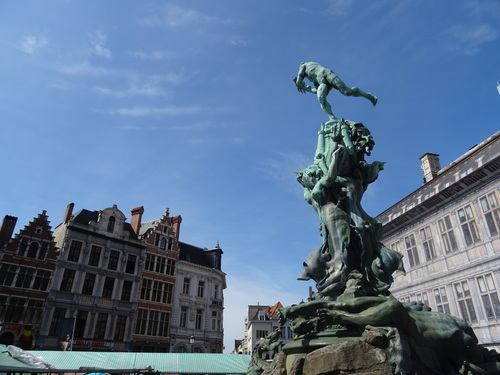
7	228
69	212
430	166
136	219
176	223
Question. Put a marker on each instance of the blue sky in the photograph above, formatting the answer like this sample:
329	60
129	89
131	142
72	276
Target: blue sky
190	105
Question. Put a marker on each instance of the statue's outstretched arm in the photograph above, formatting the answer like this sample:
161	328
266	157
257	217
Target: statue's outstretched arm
302	87
299	81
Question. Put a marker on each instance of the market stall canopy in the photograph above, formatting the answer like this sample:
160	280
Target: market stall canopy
126	362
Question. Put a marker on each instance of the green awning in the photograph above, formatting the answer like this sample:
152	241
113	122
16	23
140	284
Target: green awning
113	362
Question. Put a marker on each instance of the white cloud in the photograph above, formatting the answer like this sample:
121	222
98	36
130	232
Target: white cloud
143	86
193	126
237	41
339	7
132	90
155	111
482	8
153	55
32	43
173	15
98	41
469	39
282	164
81	68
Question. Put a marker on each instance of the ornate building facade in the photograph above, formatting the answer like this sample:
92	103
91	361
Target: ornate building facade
27	268
100	283
197	322
96	283
449	233
155	303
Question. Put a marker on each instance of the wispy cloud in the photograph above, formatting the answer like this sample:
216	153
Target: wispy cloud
155	55
237	41
155	111
98	41
482	8
32	43
62	85
469	39
173	15
339	7
194	126
143	86
279	168
132	90
83	68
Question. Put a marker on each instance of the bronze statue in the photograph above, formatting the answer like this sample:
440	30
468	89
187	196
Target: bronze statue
353	270
324	81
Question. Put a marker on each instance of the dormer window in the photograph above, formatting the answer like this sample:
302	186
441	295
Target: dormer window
111	224
262	315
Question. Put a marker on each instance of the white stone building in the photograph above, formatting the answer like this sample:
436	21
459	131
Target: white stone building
96	282
261	321
449	233
198	306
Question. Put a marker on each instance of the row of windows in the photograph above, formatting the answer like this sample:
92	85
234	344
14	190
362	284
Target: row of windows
33	250
107	289
261	333
447	239
200	291
159	264
286	333
164	243
98	332
156	291
485	288
186	286
24	277
94	259
21	310
152	323
216	319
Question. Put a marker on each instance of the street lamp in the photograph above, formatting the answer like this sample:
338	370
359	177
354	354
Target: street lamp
191	341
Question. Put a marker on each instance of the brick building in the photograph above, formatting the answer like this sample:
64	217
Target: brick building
27	267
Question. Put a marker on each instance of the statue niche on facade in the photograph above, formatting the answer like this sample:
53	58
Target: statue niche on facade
353	270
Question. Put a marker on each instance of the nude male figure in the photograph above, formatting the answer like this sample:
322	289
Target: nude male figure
324	81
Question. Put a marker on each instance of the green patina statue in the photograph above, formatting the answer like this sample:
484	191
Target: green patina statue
324	81
353	270
266	345
351	257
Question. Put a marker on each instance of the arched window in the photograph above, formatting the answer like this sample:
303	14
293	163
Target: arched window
111	224
163	243
32	250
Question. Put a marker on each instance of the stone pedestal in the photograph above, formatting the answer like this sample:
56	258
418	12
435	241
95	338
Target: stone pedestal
300	347
348	357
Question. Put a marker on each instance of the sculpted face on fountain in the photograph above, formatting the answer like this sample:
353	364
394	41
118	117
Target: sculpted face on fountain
320	267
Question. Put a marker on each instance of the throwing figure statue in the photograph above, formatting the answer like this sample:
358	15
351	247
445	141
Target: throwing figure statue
324	81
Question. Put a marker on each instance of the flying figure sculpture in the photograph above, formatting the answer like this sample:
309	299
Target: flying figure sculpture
324	81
